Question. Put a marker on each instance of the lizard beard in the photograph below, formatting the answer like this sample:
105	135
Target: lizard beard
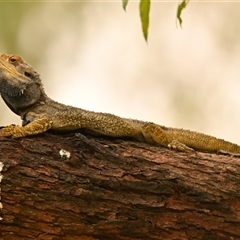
20	98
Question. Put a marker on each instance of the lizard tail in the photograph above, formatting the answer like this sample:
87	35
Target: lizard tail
203	142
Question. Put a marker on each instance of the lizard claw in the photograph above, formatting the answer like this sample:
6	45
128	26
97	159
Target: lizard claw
179	146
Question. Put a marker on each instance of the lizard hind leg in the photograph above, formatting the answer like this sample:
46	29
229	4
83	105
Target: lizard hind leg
156	134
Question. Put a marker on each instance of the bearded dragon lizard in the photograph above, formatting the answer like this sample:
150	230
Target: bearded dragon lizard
22	90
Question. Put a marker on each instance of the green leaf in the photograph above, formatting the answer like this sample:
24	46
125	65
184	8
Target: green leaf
144	8
124	3
181	6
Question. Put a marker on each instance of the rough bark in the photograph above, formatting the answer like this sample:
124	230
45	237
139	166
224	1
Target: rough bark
115	189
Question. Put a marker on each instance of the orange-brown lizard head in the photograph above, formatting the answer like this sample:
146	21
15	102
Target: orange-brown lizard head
13	66
20	84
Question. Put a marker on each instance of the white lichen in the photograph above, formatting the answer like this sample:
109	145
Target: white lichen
64	154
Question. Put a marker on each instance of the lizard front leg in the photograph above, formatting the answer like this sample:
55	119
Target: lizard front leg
40	125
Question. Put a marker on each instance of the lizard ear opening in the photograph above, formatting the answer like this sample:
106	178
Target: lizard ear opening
28	74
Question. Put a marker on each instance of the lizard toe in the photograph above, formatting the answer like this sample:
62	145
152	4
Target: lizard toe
179	146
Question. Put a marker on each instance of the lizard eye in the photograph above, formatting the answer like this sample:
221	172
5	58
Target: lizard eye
12	59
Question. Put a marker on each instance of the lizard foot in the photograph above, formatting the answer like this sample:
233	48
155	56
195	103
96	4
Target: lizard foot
14	131
8	131
179	146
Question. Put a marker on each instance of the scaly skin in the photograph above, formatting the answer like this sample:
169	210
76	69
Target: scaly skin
22	90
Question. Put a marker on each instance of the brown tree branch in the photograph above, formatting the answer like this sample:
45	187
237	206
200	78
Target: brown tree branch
115	189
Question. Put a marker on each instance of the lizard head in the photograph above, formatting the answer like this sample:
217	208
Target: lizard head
16	74
20	83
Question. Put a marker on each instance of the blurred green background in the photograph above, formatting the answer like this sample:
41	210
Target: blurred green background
92	55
